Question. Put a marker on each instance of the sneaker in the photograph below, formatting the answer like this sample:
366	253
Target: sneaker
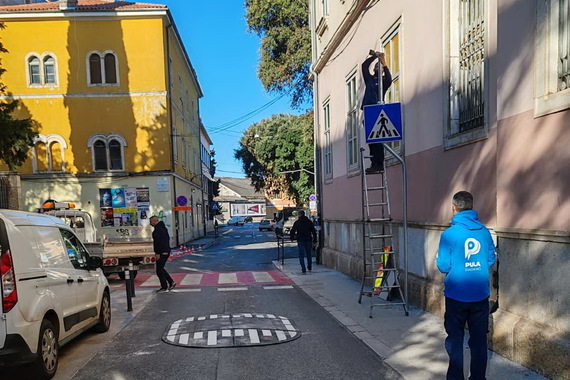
374	169
172	286
303	272
162	290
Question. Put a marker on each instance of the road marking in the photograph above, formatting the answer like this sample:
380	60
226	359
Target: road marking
262	277
152	281
230	330
212	338
191	290
253	336
192	279
277	287
231	289
227	278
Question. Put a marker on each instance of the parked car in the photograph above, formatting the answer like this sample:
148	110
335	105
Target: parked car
236	221
248	219
266	224
52	290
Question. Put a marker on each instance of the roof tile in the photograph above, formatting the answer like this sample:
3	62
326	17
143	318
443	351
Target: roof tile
83	6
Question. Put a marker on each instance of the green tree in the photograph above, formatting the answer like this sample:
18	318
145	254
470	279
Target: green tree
277	155
16	135
284	65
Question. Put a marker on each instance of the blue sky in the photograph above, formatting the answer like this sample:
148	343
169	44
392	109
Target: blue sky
225	58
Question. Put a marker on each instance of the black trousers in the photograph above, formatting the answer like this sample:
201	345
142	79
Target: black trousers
163	276
377	153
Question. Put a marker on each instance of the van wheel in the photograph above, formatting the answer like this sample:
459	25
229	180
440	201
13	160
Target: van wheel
104	315
48	350
133	275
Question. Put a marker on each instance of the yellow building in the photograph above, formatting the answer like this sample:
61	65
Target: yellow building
115	98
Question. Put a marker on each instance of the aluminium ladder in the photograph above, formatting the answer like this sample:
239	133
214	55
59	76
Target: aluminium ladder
379	254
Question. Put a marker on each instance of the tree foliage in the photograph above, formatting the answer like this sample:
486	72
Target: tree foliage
282	143
16	135
284	65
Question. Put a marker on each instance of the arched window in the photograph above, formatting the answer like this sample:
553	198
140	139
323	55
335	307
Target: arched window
48	154
49	70
110	69
115	155
95	69
34	70
107	151
100	152
102	68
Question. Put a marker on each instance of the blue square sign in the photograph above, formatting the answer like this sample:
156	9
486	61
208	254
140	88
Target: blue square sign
383	122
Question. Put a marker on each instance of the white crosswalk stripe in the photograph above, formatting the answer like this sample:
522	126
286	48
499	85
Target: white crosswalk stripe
262	277
192	279
227	278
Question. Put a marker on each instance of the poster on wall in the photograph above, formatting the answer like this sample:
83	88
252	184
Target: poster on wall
247	209
124	207
107	217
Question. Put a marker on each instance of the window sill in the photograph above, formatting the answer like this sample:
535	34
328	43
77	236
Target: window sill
551	103
465	138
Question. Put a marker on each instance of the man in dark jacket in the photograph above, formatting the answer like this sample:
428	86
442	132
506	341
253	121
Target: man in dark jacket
371	97
303	229
161	243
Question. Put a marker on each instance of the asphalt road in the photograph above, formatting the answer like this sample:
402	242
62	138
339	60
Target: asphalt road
234	279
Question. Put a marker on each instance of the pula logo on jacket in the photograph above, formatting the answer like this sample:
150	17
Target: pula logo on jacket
472	247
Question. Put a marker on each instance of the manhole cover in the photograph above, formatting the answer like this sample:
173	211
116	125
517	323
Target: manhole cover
231	330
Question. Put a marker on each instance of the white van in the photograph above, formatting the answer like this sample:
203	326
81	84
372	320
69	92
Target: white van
51	289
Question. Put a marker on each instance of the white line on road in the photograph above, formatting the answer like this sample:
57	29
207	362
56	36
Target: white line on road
280	335
184	338
231	289
273	287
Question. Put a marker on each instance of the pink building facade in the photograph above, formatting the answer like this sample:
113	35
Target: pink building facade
485	93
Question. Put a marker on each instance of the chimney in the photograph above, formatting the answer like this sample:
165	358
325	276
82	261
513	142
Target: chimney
67	5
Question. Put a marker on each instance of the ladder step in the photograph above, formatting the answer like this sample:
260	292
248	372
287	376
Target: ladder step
379	220
374	188
378	236
378	204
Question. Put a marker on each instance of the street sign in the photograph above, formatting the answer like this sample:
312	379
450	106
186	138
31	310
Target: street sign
181	208
313	205
312	197
383	122
181	200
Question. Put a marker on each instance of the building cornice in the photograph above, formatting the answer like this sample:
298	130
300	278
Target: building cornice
349	20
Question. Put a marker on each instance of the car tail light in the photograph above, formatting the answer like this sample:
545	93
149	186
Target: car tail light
9	293
153	259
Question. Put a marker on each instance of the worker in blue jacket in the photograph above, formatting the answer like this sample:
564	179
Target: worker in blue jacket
466	254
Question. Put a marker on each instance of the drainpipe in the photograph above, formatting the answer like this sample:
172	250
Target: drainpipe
173	166
316	135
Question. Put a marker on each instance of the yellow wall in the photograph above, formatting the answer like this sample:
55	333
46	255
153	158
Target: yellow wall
137	108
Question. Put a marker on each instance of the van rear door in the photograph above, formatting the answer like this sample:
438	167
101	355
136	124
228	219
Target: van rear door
4	245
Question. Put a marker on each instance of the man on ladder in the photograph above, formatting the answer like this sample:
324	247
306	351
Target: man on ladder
371	96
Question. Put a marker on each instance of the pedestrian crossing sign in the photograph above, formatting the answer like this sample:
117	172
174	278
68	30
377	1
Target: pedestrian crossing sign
383	122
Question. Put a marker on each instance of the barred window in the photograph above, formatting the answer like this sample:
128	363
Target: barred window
552	56
467	65
327	151
353	146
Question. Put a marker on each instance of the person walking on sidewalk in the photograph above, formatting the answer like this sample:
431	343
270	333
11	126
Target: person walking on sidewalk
161	243
304	229
466	253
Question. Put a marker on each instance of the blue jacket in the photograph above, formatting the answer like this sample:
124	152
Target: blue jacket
466	253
